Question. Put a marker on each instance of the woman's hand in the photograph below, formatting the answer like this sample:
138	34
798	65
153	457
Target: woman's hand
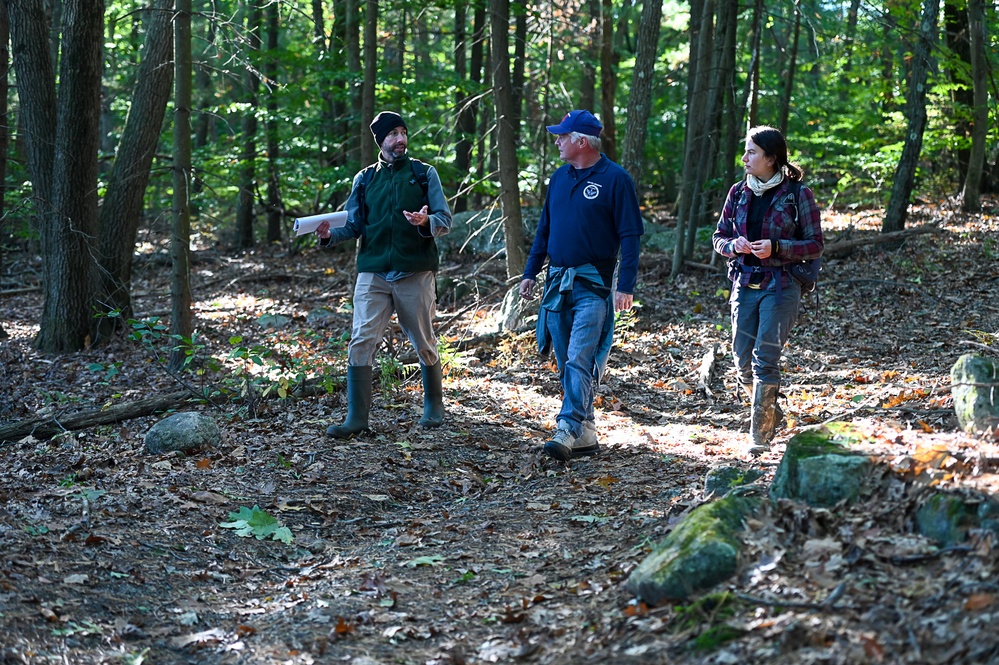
742	246
323	230
761	248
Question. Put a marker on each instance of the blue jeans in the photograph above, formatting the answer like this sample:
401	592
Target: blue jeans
575	333
760	329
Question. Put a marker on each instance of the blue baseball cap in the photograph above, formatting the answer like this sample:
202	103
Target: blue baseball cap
581	121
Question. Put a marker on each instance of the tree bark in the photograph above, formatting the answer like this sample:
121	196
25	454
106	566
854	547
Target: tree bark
701	40
355	124
181	317
957	31
465	120
274	206
126	188
63	140
509	172
608	79
590	57
792	66
905	172
640	99
4	128
368	148
971	193
245	214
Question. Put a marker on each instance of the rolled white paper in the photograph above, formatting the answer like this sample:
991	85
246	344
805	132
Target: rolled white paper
309	224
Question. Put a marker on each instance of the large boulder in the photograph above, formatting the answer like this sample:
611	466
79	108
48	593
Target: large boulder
701	552
975	387
820	468
187	432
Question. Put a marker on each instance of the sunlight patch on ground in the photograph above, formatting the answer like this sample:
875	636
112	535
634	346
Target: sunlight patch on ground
20	330
221	307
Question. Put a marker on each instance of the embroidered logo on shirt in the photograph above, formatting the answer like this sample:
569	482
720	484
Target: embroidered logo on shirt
591	191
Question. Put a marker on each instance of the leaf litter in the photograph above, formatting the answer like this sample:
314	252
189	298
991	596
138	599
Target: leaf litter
465	544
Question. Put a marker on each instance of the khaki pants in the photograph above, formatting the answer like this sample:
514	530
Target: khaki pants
413	301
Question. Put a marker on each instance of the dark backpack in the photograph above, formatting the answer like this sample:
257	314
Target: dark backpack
805	273
419	176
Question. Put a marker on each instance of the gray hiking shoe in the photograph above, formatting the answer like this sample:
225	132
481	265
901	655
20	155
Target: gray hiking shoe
586	443
560	445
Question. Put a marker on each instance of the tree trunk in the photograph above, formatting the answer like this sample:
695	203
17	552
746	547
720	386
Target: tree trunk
971	193
958	32
355	124
274	207
590	57
509	171
465	121
4	129
476	76
701	38
731	111
63	140
245	214
640	99
368	148
206	92
181	317
752	95
126	188
608	80
905	172
517	75
792	66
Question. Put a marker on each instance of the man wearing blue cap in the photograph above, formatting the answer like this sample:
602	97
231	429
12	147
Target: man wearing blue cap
591	213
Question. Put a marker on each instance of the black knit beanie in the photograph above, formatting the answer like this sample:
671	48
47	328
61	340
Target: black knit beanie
384	123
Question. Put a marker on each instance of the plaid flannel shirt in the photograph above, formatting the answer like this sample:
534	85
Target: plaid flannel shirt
800	240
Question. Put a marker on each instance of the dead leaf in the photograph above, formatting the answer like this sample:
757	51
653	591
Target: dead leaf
979	601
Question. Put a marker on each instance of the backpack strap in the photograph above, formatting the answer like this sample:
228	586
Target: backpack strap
420	171
362	211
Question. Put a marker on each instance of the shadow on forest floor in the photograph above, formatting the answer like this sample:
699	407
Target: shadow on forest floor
464	544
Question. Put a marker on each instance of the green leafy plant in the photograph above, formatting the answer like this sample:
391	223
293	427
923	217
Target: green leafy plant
255	522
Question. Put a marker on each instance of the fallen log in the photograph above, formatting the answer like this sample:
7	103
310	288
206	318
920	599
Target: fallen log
44	427
844	247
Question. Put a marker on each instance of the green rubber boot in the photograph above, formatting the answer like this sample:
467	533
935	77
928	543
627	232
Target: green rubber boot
358	403
433	395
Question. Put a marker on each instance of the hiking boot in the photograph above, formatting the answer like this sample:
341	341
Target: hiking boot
763	425
560	446
586	443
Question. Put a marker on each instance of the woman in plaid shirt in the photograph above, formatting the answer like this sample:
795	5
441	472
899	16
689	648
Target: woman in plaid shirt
769	222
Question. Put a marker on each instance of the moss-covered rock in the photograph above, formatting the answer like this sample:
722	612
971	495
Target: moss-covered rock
720	480
946	519
702	551
820	468
975	387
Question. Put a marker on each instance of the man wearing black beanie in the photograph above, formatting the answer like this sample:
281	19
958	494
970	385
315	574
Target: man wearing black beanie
396	208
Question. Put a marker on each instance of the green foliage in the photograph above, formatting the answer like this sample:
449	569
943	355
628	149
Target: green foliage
255	522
